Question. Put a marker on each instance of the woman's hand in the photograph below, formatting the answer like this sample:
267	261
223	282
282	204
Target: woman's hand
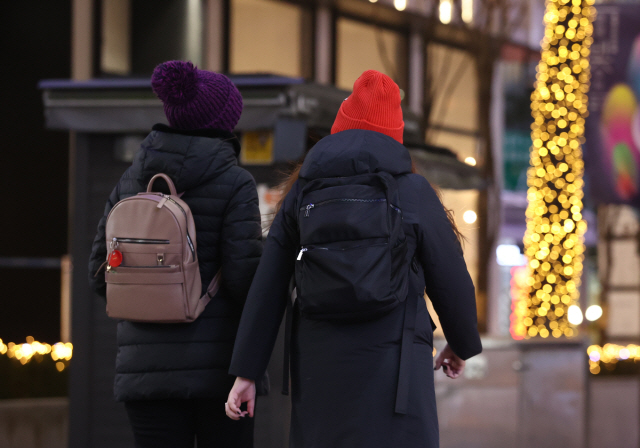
243	391
453	365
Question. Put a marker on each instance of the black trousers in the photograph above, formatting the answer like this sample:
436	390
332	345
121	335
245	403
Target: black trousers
179	423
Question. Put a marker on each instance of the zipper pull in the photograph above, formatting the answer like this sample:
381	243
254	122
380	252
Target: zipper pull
162	201
302	251
309	207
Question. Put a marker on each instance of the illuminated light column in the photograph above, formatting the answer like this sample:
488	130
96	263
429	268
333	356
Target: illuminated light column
519	309
554	239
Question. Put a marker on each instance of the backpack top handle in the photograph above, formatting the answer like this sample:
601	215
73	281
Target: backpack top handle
167	179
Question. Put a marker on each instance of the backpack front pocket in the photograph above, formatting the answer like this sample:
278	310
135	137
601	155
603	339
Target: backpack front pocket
146	293
344	219
343	281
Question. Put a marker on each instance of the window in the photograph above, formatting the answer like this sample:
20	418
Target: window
266	36
452	103
115	52
138	35
362	47
452	92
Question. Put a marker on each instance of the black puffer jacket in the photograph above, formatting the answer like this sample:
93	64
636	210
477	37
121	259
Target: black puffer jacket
157	361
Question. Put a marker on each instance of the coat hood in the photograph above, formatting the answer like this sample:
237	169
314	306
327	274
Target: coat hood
353	152
190	158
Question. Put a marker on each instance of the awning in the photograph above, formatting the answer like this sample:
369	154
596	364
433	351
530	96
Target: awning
442	168
271	103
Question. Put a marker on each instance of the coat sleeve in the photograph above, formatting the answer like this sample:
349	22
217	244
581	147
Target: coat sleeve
268	296
448	283
99	247
241	238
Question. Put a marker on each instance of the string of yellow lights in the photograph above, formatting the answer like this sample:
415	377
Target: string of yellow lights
60	352
611	354
555	226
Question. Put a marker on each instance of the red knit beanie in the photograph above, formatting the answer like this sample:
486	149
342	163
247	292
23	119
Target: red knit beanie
374	105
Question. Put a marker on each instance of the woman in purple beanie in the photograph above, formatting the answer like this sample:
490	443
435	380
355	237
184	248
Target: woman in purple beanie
173	378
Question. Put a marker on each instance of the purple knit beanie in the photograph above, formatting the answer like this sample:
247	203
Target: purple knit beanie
196	99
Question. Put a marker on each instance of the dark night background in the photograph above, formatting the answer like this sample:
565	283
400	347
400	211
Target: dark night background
34	166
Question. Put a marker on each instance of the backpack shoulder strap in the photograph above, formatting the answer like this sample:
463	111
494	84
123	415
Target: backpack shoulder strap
391	186
212	290
214	286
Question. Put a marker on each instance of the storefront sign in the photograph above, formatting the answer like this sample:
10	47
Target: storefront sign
257	148
612	150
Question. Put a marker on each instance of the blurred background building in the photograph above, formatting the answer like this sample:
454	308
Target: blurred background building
467	70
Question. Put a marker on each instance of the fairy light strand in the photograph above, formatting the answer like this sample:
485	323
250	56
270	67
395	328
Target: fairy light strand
611	354
60	352
554	239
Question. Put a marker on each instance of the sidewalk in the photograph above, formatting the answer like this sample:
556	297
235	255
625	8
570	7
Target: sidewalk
34	423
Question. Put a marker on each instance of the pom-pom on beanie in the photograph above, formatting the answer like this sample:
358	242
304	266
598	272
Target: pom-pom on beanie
374	105
196	99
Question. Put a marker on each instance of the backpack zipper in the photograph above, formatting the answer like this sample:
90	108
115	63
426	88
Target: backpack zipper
150	267
305	249
308	207
193	251
139	241
115	270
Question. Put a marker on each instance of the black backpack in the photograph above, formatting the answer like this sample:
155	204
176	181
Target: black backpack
352	262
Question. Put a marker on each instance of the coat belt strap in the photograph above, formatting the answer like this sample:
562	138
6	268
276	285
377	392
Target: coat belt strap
286	363
406	349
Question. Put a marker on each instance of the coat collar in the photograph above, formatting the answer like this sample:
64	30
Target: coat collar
209	133
190	160
353	152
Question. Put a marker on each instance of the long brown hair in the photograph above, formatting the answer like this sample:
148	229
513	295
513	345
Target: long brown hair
291	178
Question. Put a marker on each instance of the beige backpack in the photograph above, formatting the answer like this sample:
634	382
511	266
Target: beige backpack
152	264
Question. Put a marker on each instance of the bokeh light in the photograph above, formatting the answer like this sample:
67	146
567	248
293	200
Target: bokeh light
593	313
610	355
554	239
469	216
574	315
60	352
400	5
446	11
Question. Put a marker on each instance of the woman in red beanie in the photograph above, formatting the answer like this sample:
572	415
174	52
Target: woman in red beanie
365	237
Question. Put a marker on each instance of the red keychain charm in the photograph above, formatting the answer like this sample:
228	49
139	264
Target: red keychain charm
115	259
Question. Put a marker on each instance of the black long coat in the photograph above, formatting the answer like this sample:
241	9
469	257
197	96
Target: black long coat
190	360
344	376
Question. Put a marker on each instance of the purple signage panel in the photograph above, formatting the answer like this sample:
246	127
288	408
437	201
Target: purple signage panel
612	149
